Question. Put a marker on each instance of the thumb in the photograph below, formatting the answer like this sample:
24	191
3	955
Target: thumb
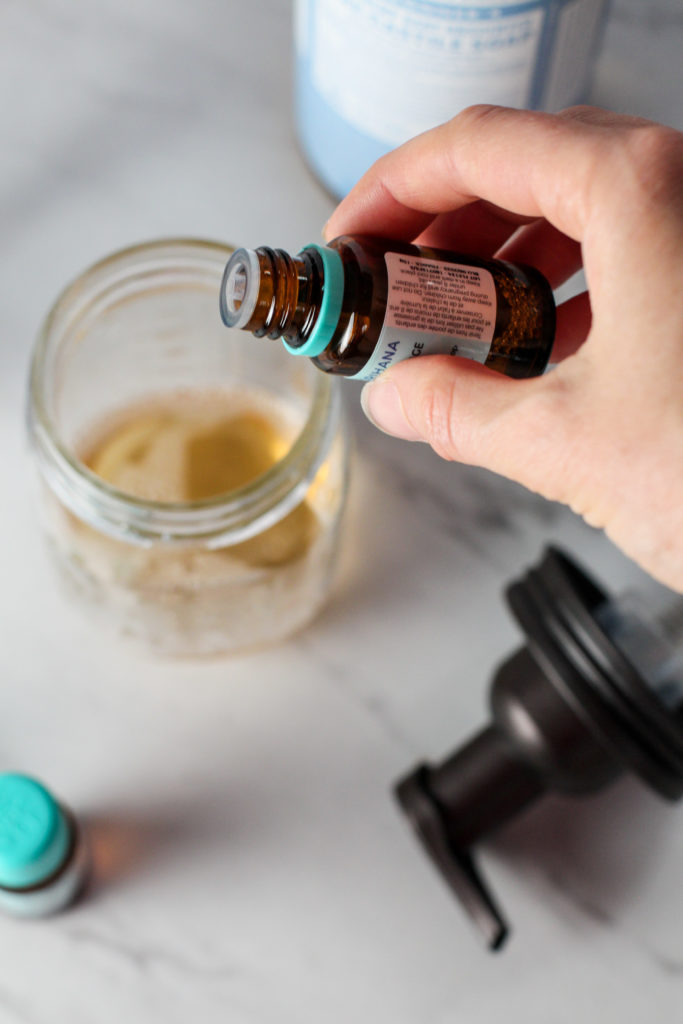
527	430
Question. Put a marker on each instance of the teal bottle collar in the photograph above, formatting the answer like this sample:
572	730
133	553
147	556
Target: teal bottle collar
330	307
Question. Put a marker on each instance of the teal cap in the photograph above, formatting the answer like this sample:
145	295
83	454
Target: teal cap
330	306
34	833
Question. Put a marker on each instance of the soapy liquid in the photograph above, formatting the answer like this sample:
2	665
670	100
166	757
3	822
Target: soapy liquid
194	446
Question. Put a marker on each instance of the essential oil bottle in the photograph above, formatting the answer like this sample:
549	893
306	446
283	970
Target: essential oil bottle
359	305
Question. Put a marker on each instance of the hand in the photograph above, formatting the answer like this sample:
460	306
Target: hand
602	432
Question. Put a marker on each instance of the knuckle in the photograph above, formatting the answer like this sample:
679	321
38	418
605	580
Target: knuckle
551	407
654	156
460	132
475	115
582	112
465	137
436	413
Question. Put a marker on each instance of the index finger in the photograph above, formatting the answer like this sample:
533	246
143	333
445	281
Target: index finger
530	163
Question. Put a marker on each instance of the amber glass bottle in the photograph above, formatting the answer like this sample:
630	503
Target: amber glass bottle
359	305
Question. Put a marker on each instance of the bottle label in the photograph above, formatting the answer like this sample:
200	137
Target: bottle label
407	66
393	68
433	308
372	73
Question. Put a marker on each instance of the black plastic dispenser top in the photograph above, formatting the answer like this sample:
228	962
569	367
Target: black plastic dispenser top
571	711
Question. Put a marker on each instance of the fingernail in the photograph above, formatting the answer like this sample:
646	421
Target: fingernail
381	403
324	231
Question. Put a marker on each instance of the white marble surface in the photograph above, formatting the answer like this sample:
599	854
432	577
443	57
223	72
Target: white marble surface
251	866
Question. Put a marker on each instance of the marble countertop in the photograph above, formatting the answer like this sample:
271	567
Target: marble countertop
251	866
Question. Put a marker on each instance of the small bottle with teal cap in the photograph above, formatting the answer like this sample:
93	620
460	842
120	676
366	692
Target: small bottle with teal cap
359	305
43	857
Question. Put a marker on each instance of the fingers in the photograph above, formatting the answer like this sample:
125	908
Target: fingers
422	405
603	118
528	431
530	163
541	245
573	324
478	228
375	210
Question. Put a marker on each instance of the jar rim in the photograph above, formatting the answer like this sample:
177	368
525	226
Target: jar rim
217	521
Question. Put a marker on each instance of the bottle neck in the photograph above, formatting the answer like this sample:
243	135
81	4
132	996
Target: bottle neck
286	292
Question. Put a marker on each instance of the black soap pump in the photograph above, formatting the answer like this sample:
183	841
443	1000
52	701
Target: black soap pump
597	691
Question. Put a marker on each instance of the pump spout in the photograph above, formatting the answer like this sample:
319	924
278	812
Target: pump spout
453	806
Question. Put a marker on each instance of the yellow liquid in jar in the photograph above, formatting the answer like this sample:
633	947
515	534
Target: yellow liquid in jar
195	446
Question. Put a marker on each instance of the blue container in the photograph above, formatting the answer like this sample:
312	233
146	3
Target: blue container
372	73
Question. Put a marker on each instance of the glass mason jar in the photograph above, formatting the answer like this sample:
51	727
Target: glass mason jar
135	339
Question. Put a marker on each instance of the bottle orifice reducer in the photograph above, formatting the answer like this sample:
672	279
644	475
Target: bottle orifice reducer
359	305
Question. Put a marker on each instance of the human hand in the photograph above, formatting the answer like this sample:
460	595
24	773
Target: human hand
602	432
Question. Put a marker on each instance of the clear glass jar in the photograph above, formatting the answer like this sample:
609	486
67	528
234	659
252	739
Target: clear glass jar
225	572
